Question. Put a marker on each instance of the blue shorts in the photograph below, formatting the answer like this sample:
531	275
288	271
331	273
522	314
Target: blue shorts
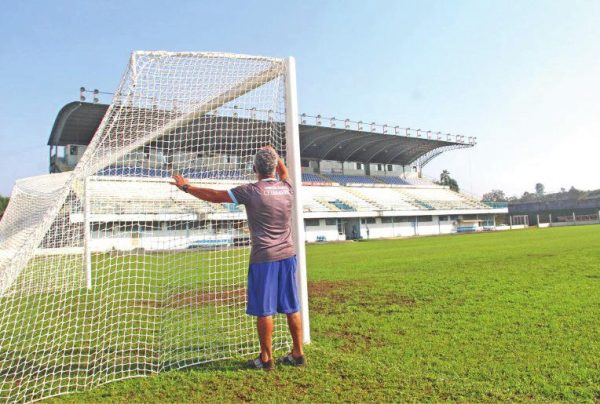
272	288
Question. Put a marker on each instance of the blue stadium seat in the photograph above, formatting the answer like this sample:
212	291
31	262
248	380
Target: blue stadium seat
393	180
309	177
357	179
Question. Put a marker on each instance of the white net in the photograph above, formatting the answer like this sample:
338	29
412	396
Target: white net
109	272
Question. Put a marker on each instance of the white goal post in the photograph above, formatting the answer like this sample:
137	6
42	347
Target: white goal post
109	272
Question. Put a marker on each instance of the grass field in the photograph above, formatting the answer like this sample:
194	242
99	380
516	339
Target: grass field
483	317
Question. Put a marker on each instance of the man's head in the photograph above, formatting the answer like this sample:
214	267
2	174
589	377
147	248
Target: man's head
265	162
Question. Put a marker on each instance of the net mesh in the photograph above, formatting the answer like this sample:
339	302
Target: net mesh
110	272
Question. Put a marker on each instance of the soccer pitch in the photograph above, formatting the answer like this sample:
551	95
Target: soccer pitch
482	317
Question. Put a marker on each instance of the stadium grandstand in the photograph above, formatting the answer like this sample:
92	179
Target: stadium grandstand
360	181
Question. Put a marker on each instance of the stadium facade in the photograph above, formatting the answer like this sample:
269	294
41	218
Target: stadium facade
361	181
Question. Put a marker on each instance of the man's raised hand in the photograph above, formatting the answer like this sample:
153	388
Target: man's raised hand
180	181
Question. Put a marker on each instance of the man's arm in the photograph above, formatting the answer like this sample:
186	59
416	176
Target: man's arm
206	194
281	169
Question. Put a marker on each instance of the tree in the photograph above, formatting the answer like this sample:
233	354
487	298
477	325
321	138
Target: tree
539	190
445	177
448	181
527	197
3	204
495	195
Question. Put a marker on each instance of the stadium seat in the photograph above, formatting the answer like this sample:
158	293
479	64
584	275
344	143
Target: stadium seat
393	180
352	179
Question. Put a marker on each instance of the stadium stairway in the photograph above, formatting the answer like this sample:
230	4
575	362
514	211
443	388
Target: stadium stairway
418	203
317	205
327	205
360	195
343	205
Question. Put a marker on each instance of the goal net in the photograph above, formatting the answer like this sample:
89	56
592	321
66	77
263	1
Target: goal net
109	272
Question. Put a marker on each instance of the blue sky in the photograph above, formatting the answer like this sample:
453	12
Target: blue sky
522	76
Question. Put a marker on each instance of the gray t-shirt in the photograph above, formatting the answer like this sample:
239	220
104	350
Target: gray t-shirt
269	209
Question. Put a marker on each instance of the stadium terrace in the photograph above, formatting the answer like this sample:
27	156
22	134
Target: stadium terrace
361	180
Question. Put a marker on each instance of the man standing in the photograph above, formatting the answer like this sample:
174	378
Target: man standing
272	270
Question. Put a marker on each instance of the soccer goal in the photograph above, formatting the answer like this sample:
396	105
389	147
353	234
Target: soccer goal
109	272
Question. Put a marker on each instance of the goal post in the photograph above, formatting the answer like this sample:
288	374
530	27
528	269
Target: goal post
109	272
293	159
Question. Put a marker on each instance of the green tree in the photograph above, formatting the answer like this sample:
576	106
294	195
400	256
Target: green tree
447	180
3	204
495	195
539	189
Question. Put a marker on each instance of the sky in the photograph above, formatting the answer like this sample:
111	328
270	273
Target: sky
522	76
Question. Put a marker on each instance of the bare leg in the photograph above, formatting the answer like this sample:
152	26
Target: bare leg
265	335
295	325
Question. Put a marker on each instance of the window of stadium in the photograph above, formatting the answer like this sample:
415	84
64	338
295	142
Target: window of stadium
368	220
305	163
387	219
379	167
425	218
390	167
312	222
359	166
404	219
331	222
102	227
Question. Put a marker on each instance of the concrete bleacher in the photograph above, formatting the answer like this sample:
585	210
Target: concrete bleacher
336	199
147	197
418	181
443	198
154	196
384	198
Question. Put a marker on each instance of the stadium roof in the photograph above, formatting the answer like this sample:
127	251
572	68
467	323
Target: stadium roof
77	122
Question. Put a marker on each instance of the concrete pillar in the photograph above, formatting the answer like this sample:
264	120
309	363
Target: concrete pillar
538	219
510	221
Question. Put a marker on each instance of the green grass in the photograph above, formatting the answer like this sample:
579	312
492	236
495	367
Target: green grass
483	317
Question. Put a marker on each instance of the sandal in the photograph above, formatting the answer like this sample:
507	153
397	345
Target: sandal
259	364
289	359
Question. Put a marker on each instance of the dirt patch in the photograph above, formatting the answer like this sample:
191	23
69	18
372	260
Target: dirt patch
194	298
353	339
333	289
342	296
